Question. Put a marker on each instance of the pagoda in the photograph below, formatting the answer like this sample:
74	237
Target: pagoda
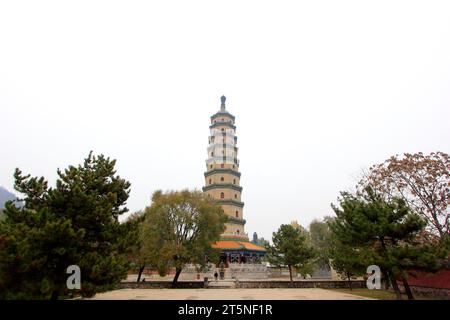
222	183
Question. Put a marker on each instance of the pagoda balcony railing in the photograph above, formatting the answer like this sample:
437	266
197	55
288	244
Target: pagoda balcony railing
222	170
222	113
233	236
236	220
216	133
225	124
223	146
221	159
222	185
230	202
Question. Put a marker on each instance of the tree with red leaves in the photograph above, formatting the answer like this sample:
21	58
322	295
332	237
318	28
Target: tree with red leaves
423	181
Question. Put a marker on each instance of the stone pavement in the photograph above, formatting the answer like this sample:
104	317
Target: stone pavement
226	294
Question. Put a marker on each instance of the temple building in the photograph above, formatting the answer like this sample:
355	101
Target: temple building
222	182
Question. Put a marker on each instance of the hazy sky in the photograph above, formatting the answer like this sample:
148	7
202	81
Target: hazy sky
320	90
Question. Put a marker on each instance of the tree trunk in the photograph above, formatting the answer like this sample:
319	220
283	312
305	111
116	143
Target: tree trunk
395	286
349	282
175	279
407	289
141	269
387	280
390	275
55	295
290	275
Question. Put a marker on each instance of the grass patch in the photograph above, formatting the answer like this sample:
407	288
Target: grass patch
379	294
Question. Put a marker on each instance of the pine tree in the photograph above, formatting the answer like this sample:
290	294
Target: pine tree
132	242
290	249
347	260
386	231
75	223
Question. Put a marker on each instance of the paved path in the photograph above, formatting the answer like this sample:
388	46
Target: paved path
226	294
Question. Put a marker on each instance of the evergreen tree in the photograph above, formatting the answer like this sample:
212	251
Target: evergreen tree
347	260
290	249
386	230
75	223
133	242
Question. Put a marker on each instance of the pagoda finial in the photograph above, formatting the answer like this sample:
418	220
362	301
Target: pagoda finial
222	99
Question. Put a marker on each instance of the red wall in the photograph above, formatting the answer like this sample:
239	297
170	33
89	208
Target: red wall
439	279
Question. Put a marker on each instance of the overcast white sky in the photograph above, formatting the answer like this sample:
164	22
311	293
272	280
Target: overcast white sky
320	90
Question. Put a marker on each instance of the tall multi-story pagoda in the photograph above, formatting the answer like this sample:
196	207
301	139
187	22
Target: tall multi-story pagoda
222	182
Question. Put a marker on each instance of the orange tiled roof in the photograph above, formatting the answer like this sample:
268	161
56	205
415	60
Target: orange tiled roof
252	246
224	244
236	244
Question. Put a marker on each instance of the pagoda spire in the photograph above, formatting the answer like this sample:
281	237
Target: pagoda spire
222	100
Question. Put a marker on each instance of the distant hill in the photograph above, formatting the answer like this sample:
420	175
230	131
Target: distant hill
5	195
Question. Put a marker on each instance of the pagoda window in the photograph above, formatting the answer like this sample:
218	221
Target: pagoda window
234	181
235	196
237	231
222	179
209	181
222	195
222	165
237	214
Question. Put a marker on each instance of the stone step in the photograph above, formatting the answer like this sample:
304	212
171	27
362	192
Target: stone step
221	284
